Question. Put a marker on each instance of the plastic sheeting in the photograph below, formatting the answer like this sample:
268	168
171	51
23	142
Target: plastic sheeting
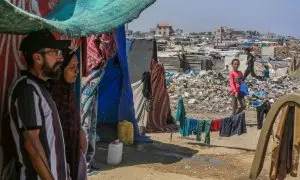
126	106
109	92
139	58
72	17
115	100
141	114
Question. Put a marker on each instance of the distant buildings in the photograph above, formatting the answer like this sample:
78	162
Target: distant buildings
224	34
164	29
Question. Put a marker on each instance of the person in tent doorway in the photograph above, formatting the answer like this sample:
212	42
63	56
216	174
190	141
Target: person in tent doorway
34	119
250	64
235	79
64	97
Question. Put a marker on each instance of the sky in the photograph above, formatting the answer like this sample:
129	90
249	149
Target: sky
276	16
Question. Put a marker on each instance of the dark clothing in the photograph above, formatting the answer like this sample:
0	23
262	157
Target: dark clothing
32	107
64	98
147	91
250	68
208	65
233	125
261	113
183	63
235	101
250	60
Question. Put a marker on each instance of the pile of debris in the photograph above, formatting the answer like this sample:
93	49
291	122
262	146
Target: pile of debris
208	92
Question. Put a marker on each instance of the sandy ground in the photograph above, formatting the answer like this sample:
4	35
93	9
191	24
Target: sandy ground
186	159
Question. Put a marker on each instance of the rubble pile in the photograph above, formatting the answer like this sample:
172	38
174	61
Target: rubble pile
208	92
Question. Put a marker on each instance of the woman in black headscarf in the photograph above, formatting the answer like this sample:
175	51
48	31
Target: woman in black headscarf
64	97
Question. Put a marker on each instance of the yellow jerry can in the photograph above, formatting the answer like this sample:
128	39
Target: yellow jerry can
126	132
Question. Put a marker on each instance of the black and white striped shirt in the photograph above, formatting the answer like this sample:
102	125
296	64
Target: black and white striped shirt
31	105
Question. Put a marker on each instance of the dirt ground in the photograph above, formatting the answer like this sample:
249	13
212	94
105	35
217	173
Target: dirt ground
186	159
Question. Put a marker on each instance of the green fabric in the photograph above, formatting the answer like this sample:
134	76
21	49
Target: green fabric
203	126
180	117
72	17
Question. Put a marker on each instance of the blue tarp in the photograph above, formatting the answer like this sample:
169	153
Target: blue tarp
115	100
248	44
109	92
128	46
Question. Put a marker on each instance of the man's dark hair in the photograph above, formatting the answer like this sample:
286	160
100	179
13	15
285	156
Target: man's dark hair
235	60
29	59
247	49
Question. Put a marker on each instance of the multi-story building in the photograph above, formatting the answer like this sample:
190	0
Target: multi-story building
164	29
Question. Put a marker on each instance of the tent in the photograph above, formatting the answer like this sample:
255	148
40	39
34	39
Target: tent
63	16
277	67
142	57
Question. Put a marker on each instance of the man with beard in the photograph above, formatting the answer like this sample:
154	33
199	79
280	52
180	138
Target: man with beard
34	119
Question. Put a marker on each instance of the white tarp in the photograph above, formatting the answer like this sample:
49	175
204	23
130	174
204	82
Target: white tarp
141	114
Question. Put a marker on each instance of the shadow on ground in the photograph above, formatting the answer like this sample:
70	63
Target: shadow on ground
156	152
228	147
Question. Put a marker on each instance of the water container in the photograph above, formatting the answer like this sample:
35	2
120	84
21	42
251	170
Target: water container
126	132
115	150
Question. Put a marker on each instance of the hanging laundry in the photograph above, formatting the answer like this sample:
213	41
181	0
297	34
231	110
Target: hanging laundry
262	112
286	146
235	124
147	91
193	126
296	143
196	127
277	143
215	125
180	117
203	126
285	154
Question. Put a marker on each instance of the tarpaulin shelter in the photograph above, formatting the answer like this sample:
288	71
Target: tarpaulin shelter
142	57
68	17
115	99
71	17
277	67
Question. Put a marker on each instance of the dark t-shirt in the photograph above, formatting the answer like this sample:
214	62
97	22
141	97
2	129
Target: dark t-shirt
32	107
250	60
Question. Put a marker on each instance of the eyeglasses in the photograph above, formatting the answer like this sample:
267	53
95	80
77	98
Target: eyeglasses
54	52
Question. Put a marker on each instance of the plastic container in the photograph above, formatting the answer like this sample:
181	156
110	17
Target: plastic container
126	132
115	150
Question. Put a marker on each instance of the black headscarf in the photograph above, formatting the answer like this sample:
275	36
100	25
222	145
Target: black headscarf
67	54
64	97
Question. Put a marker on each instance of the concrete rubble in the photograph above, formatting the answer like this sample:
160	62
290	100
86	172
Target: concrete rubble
208	92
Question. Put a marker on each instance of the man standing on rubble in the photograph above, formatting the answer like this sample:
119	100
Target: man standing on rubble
35	123
209	64
250	64
183	63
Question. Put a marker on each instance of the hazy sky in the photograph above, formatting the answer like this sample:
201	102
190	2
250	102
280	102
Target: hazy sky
277	16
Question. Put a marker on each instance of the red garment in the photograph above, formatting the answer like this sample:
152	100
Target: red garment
100	48
235	78
215	125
